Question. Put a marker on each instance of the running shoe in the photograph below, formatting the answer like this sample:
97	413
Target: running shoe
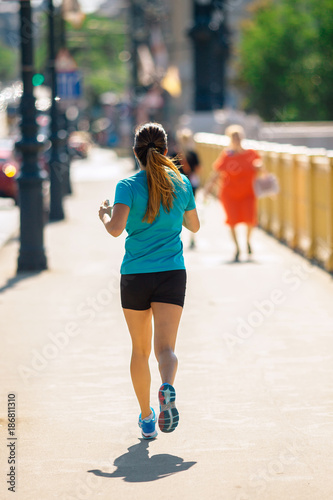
147	426
169	416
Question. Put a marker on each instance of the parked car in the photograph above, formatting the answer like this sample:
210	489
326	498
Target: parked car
9	169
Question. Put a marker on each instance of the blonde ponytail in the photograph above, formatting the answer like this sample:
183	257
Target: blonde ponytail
160	185
150	144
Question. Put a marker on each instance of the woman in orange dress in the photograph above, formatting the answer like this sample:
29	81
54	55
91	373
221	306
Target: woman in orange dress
237	168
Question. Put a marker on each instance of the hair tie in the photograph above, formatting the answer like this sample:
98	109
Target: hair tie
151	145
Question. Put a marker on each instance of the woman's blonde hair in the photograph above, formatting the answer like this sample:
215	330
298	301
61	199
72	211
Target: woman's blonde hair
150	146
235	129
185	138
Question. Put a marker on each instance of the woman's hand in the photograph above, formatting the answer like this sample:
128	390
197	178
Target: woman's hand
104	209
210	183
260	167
115	223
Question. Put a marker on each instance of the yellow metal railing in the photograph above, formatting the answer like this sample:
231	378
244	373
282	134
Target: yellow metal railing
301	214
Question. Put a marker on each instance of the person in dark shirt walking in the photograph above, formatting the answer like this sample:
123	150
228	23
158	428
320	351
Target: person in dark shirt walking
190	163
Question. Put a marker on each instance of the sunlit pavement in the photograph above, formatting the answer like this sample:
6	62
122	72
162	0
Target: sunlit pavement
254	386
9	220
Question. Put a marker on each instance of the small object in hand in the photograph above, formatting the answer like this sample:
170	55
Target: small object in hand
107	204
105	208
267	185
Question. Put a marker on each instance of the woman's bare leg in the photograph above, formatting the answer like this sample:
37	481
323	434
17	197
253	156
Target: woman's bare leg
234	237
248	236
140	327
166	323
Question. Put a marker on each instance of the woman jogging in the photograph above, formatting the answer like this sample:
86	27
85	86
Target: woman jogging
153	205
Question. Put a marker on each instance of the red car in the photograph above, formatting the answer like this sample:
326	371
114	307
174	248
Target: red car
8	171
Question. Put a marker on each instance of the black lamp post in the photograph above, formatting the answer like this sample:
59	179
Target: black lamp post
63	121
57	168
135	23
32	255
210	39
137	33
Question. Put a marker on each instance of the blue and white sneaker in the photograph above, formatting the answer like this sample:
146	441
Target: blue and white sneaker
169	416
147	426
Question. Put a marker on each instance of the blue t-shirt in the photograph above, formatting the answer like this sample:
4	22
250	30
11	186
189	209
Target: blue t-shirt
157	246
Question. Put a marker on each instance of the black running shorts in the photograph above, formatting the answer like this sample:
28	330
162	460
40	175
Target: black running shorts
138	291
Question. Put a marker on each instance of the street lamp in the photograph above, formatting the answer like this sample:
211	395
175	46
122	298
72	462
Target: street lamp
210	39
63	122
31	255
56	167
136	32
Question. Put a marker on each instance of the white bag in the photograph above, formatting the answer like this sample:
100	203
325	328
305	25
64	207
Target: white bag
268	185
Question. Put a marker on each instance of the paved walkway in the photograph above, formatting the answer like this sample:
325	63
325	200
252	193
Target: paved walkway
9	219
255	375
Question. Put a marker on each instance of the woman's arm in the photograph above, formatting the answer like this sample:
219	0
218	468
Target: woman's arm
211	181
114	219
191	220
258	164
219	166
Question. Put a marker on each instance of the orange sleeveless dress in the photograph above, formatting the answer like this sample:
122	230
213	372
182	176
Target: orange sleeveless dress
236	191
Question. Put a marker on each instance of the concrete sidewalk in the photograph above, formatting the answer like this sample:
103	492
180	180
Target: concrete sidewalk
9	220
254	385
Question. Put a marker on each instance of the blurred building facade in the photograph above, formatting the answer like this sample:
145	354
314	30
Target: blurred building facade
181	57
198	47
224	26
180	50
9	23
222	21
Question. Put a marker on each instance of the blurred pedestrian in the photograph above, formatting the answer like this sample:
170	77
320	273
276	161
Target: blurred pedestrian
237	169
153	205
190	163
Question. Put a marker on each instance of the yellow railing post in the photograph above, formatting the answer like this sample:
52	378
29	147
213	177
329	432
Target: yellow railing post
304	204
265	204
208	147
276	205
288	201
329	263
322	210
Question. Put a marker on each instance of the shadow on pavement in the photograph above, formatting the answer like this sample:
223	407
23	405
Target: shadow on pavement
136	466
249	260
11	282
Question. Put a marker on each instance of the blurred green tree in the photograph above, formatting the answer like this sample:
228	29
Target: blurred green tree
286	60
96	47
9	64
